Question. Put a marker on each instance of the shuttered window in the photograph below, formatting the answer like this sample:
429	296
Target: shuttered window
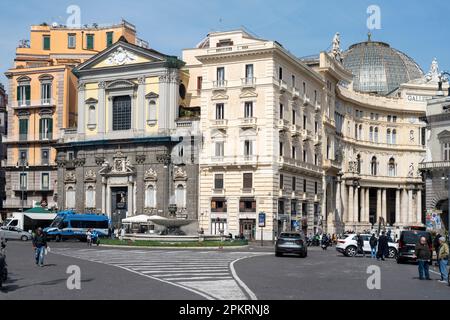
218	181
109	39
23	129
45	129
90	42
248	181
46	42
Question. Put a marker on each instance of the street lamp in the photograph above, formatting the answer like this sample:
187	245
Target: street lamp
23	164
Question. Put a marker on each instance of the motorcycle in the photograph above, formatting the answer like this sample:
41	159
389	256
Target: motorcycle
3	265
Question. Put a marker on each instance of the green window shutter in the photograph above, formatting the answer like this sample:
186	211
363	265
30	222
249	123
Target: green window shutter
46	43
28	93
23	129
90	41
50	129
41	129
109	39
18	93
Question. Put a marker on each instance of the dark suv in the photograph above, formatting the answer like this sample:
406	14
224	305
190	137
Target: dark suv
291	242
407	244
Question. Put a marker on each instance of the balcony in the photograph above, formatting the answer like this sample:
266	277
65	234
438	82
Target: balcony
295	94
33	104
306	134
317	106
282	85
283	125
248	83
17	203
295	163
233	160
247	122
295	130
306	100
434	165
317	139
220	85
219	124
28	138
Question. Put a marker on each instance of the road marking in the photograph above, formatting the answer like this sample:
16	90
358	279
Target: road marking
212	276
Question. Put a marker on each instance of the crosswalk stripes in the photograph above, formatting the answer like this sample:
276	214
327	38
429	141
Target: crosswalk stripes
210	274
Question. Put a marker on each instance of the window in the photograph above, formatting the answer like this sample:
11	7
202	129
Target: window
394	136
281	149
280	207
150	197
294	153
394	119
23	155
281	111
199	83
360	132
281	182
71	41
23	129
389	118
248	180
218	182
248	148
316	127
304	87
90	42
249	73
247	205
374	166
45	129
23	95
92	117
220	111
371	134
45	181
109	39
180	195
219	205
446	151
316	159
181	151
23	180
391	167
358	163
305	156
294	183
121	113
293	81
46	93
90	197
70	198
219	150
305	121
46	42
305	184
294	117
388	136
376	135
316	188
280	73
248	110
152	112
221	77
70	155
45	157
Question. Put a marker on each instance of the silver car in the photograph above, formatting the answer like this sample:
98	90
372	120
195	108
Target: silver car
14	233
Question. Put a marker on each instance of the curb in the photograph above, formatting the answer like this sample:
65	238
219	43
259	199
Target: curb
172	248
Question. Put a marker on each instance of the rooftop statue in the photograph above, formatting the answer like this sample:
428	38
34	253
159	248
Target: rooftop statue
336	47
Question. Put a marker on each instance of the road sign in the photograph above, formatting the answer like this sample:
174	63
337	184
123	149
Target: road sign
262	220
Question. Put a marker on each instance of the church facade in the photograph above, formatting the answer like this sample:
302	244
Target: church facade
127	155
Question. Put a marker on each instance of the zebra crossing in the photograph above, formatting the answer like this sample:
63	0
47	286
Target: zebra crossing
209	274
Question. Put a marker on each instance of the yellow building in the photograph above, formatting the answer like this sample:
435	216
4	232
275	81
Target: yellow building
43	100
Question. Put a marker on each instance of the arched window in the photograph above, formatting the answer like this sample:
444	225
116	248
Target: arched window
358	160
388	136
374	166
181	196
394	136
90	197
150	197
360	132
92	118
371	134
70	198
391	168
376	135
151	113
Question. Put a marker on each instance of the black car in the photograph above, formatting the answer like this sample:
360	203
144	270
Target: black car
407	244
291	243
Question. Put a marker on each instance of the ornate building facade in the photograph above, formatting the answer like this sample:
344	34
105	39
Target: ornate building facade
3	132
43	100
130	153
261	119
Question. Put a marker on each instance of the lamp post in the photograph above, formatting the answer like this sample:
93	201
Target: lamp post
22	164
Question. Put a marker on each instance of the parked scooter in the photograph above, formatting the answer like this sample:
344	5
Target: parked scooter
3	268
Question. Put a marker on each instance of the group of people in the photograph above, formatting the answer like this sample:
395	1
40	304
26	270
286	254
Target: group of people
379	247
424	255
319	239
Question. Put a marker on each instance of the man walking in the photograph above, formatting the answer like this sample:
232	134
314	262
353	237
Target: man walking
39	246
360	244
436	246
383	247
423	256
373	246
443	260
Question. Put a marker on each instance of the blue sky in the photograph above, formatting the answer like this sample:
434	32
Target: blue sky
304	27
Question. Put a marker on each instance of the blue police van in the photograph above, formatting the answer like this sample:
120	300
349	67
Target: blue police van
69	225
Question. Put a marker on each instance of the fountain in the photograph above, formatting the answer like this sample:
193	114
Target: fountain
173	224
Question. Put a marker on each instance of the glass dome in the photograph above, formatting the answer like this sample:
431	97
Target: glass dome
378	68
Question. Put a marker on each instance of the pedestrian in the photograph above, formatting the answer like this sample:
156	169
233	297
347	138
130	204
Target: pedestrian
436	246
423	256
383	247
89	237
39	246
116	233
443	260
122	233
373	246
360	244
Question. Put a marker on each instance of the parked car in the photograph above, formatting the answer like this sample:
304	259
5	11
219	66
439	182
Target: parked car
348	246
291	243
407	244
14	233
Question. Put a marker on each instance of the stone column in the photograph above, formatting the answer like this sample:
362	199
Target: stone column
101	121
81	109
379	213
363	204
410	213
108	202
365	218
104	195
350	204
344	195
141	105
384	205
419	206
404	207
338	215
397	207
130	198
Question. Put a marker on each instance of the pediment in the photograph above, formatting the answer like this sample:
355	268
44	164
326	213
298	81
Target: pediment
91	101
220	96
121	54
248	133
248	94
151	95
218	134
444	135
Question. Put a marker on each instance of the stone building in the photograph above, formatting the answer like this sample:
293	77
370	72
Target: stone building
118	160
3	132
